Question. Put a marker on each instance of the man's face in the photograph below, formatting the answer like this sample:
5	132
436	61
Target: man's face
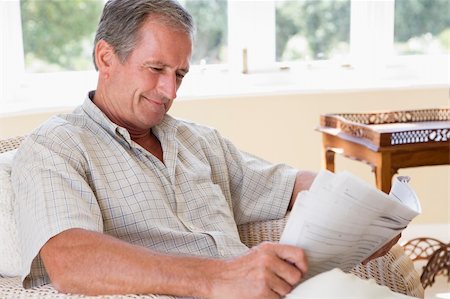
142	89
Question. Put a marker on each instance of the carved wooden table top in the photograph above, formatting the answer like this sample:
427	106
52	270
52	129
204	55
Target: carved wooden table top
388	140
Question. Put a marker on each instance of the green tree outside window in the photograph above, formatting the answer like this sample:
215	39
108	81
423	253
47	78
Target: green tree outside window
312	29
58	34
211	19
422	26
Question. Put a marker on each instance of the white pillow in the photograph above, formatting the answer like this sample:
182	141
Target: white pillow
9	242
335	284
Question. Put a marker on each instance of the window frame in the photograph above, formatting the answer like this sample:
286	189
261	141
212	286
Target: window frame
371	53
11	51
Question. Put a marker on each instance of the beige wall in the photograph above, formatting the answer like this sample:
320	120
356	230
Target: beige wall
12	125
281	128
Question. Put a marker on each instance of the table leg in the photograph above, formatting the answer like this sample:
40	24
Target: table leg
329	159
384	173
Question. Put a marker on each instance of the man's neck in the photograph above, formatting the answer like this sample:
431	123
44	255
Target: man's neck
135	133
151	143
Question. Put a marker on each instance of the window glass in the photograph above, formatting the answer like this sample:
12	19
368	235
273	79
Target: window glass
422	26
211	20
312	29
58	35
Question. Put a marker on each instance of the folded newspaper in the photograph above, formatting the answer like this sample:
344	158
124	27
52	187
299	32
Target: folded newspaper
341	220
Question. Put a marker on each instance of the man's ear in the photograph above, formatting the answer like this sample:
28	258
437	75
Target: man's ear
104	56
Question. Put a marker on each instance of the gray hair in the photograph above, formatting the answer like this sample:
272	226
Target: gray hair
122	19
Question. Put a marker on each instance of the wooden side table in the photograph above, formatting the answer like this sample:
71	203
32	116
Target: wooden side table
388	140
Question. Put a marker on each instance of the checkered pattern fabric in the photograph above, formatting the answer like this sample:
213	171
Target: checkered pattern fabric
80	170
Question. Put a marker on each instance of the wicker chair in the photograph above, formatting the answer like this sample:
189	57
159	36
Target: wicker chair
394	270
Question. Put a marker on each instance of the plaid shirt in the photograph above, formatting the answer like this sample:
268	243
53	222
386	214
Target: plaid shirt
81	170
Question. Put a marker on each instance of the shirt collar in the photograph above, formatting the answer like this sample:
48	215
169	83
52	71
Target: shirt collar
166	128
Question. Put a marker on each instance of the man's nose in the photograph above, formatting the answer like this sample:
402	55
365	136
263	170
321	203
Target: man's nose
168	85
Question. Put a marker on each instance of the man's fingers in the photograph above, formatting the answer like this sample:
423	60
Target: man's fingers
289	262
293	255
280	286
286	271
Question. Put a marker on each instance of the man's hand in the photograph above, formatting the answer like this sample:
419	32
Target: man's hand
79	261
383	250
269	270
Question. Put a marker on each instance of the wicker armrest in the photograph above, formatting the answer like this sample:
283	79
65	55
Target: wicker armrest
252	234
10	144
394	270
11	288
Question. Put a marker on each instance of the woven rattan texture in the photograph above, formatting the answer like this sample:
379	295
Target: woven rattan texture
437	255
252	234
10	144
11	288
394	270
439	264
422	248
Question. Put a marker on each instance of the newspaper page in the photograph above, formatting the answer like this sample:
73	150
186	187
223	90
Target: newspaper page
342	220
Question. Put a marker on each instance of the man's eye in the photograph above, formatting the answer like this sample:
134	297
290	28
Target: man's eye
156	69
180	76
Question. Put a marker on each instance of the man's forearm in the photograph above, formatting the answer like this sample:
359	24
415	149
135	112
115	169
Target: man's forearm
80	261
303	181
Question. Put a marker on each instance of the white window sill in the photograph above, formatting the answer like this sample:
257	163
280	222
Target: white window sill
52	90
307	80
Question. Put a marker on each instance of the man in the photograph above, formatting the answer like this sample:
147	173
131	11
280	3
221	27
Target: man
118	197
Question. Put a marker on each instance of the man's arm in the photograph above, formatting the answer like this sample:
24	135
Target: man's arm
303	181
87	262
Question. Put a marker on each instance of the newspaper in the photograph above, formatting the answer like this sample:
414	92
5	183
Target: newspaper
342	220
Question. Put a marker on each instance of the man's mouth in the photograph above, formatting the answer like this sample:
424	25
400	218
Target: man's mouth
156	102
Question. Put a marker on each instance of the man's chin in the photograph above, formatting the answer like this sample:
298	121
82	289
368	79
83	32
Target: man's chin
155	120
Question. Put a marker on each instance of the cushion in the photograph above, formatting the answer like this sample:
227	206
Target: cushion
9	249
335	284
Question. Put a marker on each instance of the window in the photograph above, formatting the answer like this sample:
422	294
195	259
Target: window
422	27
211	19
312	29
58	35
371	37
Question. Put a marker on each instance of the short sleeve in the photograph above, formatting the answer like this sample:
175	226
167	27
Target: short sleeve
260	190
52	193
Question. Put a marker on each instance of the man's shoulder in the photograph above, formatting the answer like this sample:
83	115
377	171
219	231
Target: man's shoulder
60	125
59	131
57	136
